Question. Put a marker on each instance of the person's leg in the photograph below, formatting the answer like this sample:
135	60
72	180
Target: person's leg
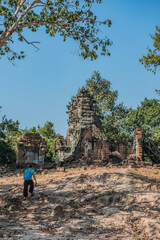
31	187
25	189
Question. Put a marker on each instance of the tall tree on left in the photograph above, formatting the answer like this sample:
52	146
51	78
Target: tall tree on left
73	19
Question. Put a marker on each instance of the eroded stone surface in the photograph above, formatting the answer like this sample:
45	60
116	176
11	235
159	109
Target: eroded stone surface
31	149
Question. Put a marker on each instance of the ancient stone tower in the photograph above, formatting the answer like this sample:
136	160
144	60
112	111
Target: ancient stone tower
83	112
84	142
83	129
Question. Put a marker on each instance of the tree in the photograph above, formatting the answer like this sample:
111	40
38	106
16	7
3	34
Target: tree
48	133
68	18
9	127
47	130
111	125
9	130
7	152
100	88
110	112
152	60
147	115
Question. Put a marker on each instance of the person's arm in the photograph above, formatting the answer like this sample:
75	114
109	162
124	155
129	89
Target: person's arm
34	176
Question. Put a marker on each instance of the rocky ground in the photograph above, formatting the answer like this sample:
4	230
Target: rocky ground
83	203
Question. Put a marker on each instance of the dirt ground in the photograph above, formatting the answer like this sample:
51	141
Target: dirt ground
83	204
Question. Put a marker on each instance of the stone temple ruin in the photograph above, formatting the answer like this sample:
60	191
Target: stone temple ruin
84	143
31	149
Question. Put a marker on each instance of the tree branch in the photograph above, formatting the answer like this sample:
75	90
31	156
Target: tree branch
20	4
50	23
32	43
8	32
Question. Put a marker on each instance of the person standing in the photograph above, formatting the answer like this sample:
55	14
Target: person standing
29	172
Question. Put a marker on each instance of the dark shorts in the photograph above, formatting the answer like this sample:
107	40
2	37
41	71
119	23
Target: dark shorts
31	187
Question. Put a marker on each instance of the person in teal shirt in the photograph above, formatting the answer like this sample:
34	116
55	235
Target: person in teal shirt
29	172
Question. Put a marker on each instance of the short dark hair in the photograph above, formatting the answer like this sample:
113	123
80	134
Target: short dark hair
30	166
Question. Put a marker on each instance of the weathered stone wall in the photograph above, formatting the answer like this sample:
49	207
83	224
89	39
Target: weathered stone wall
124	148
62	150
31	149
93	144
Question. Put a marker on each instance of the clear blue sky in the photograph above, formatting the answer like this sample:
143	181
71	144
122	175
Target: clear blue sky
38	88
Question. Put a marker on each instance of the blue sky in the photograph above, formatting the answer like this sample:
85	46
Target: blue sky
38	88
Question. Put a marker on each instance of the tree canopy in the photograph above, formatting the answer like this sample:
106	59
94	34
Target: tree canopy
147	115
9	131
73	19
103	94
152	60
110	111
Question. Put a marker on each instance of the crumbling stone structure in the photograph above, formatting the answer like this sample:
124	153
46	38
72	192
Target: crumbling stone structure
138	143
84	139
31	149
84	142
83	112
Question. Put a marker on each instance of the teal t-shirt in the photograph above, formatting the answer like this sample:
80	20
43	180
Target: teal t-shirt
28	174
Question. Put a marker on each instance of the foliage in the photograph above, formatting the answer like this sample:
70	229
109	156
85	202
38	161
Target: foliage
47	130
147	115
157	91
9	127
110	112
152	60
51	144
7	152
9	130
111	125
48	133
73	19
100	88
